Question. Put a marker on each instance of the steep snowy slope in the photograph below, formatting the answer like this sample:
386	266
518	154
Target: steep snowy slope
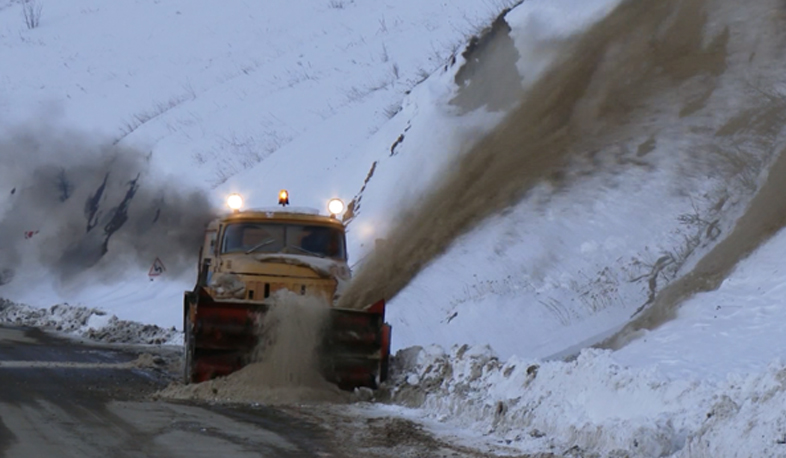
202	97
634	155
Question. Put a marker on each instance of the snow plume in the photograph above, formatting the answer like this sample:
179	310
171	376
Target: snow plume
647	65
285	367
289	339
70	201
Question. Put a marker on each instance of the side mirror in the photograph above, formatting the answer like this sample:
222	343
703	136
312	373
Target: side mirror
203	272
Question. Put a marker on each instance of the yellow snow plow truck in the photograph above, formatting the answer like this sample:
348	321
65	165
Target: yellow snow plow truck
248	256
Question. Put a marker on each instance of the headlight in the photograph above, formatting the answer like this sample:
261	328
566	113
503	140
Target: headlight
235	202
335	207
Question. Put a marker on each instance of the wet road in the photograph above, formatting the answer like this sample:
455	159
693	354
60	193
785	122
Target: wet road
67	399
62	398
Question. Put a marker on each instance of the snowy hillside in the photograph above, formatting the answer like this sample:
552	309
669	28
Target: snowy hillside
626	181
657	169
231	98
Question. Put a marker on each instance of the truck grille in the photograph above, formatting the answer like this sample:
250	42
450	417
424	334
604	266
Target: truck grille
260	291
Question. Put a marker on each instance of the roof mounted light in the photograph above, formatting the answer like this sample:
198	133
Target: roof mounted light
283	197
235	202
335	207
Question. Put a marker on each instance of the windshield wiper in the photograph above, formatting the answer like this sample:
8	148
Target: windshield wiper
265	243
306	251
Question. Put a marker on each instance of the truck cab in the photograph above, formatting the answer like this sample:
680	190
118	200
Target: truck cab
251	255
247	257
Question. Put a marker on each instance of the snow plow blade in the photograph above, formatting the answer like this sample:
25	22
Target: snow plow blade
221	336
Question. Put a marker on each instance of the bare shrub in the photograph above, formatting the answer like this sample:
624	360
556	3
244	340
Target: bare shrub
199	158
699	228
31	11
356	94
422	74
392	110
236	153
395	71
139	119
556	308
597	292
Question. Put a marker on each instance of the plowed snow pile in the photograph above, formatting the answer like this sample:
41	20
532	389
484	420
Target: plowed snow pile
593	406
88	323
285	368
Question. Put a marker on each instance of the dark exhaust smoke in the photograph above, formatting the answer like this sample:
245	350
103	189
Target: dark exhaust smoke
79	201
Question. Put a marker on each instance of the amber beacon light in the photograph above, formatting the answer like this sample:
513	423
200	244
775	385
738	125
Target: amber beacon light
283	197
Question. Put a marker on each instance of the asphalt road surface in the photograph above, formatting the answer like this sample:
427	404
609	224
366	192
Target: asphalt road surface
59	398
64	398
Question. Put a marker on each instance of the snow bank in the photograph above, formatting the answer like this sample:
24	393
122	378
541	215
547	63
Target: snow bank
746	419
88	323
593	405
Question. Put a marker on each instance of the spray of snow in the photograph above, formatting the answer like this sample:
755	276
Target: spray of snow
588	99
289	339
285	367
644	66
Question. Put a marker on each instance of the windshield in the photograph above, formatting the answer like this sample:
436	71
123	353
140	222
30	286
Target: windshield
322	241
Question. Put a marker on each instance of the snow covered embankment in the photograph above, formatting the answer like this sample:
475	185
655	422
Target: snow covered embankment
88	323
593	406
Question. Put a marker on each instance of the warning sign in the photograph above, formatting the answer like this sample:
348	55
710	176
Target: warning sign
156	269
